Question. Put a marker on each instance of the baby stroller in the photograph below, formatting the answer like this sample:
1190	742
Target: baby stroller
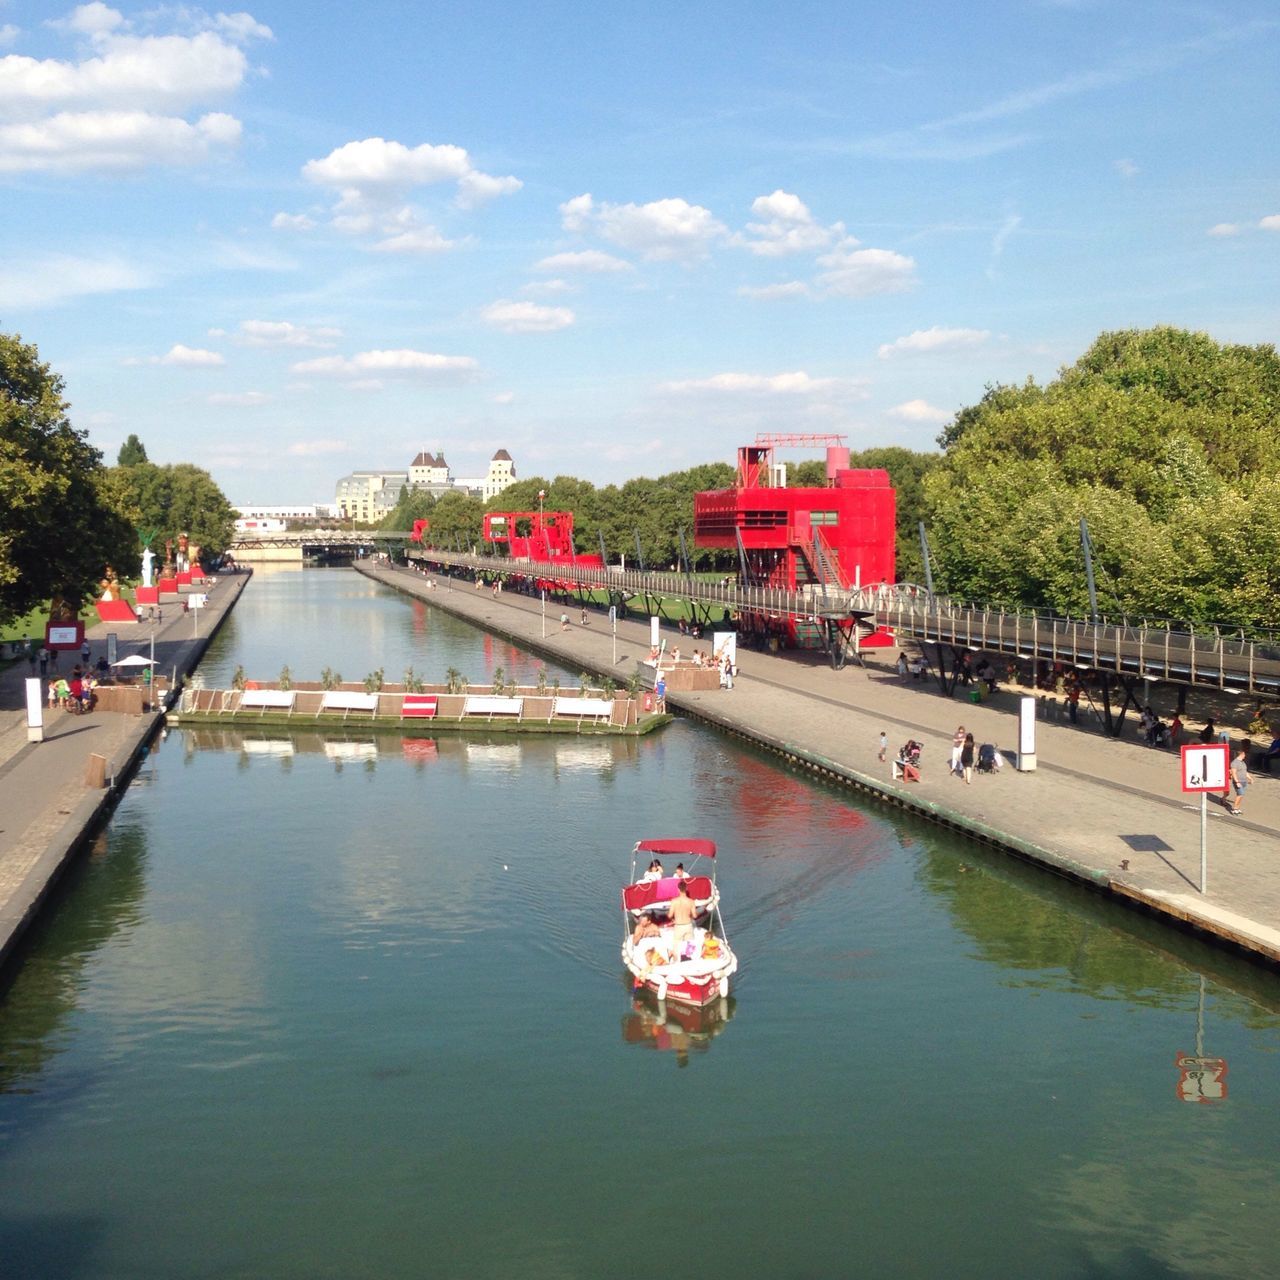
907	765
987	758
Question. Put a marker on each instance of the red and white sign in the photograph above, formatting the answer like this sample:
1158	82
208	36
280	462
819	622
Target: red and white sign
64	635
1201	1079
418	704
1204	768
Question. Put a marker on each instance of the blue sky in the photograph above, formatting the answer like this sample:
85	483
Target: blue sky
293	241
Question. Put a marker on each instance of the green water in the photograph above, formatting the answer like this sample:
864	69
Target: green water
337	1008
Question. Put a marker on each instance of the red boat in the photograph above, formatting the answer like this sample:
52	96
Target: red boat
692	966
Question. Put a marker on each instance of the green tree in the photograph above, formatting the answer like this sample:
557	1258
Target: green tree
1165	441
60	521
131	452
176	499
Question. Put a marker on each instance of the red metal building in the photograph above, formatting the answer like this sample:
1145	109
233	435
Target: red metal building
838	536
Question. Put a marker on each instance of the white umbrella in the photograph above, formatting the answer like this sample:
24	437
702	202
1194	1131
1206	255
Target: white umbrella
134	660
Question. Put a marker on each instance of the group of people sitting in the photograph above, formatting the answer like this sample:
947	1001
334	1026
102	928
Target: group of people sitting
655	872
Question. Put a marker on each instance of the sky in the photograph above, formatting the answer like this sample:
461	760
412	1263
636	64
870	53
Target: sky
295	241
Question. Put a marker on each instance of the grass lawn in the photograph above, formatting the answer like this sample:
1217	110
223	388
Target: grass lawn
31	625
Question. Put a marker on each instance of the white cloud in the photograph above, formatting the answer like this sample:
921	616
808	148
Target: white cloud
504	397
547	287
592	261
661	230
1270	223
787	384
575	214
526	317
861	273
293	222
122	104
190	357
8	34
934	339
317	448
919	411
1126	168
414	363
1224	229
283	333
239	399
770	292
372	176
787	227
112	140
49	281
477	188
419	240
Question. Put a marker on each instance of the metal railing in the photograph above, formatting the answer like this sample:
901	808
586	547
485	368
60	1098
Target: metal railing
1146	650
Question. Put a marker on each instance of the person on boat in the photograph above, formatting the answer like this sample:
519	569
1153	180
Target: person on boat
655	872
646	927
683	913
680	873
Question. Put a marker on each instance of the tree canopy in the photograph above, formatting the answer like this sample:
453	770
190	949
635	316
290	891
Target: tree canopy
1165	441
175	499
132	452
60	521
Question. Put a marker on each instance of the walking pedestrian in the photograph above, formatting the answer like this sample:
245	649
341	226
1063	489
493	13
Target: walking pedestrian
1240	778
884	744
584	615
564	622
966	759
957	746
85	652
32	654
43	656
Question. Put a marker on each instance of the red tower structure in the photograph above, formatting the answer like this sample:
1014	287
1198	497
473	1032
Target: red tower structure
831	538
536	535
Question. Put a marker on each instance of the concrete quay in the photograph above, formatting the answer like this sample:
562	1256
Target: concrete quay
1108	814
47	812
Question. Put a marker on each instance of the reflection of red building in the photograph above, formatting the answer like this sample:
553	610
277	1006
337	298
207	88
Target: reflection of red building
536	535
836	537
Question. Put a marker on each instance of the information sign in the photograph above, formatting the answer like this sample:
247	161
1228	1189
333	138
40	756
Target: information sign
1204	768
64	635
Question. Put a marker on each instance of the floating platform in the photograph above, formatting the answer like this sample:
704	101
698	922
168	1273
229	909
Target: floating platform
396	709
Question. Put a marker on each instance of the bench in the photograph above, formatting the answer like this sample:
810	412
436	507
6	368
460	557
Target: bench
583	708
419	706
263	700
492	705
340	700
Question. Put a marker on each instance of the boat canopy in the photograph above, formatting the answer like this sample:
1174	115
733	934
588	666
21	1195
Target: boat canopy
671	847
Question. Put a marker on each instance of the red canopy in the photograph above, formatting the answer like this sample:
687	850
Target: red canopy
698	848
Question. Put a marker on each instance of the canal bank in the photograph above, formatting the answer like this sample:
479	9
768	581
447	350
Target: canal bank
50	810
1106	814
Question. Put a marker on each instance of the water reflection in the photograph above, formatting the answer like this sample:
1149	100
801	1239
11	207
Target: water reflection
100	897
670	1027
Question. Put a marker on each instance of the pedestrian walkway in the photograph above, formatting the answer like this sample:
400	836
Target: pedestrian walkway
46	807
1109	812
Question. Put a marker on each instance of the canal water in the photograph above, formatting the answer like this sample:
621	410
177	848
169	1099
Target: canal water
334	1006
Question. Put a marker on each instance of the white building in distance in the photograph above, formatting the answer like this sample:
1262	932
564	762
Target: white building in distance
369	496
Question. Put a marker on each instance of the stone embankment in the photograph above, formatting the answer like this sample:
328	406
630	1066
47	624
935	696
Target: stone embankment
48	809
1108	814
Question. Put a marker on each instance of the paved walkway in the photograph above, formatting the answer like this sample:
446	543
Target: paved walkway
1111	812
46	808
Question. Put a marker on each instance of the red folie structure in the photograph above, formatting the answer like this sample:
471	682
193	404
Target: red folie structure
539	535
838	536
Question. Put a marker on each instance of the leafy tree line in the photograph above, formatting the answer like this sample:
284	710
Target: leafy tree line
1165	441
64	515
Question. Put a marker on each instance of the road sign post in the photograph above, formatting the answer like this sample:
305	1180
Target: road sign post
1204	769
613	625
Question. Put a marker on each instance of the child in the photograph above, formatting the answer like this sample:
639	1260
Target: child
884	744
